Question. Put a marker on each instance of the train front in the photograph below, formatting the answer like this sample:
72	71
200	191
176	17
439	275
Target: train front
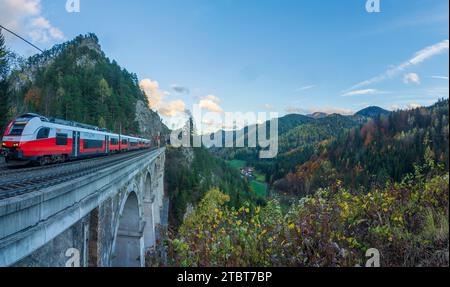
12	141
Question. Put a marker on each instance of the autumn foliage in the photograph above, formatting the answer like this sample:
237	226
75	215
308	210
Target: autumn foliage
407	222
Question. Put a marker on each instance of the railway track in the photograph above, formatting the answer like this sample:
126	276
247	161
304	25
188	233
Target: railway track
22	181
17	171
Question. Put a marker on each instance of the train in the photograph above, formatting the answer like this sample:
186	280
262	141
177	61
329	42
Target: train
38	140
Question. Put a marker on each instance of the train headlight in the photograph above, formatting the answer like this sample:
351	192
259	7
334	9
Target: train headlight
3	144
16	145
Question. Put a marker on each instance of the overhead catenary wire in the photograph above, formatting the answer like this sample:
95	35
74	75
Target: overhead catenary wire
21	38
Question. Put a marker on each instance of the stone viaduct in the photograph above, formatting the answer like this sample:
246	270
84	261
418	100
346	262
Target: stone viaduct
110	218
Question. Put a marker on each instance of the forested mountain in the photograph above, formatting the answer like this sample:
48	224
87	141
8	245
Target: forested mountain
380	185
372	112
76	81
384	149
299	138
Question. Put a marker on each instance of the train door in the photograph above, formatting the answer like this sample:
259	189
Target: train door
106	144
78	143
74	144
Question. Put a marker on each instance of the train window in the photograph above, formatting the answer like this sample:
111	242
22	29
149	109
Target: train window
133	143
124	141
43	133
17	129
114	141
93	144
61	139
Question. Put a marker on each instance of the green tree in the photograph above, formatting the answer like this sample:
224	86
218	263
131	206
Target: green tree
104	90
4	68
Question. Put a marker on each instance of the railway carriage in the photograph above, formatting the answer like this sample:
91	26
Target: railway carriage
37	139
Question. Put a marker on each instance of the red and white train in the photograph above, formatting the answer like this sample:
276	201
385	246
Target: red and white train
36	139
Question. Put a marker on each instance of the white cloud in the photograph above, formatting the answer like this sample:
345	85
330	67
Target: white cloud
440	77
295	110
411	106
363	92
153	92
172	108
429	52
331	110
325	110
305	88
405	106
411	78
25	18
210	103
156	98
418	58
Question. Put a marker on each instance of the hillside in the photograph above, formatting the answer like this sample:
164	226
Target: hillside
76	81
191	172
382	184
317	115
383	149
372	112
299	137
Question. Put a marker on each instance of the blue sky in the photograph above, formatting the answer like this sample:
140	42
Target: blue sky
257	55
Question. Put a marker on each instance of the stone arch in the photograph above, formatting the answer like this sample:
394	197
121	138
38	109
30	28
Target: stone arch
128	240
149	215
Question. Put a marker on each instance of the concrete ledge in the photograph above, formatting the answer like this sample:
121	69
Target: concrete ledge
30	221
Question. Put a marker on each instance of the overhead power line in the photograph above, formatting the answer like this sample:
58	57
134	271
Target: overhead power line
21	38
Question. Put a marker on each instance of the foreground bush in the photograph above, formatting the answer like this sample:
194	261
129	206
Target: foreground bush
406	222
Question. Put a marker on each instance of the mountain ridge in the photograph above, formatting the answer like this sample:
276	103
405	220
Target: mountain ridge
76	81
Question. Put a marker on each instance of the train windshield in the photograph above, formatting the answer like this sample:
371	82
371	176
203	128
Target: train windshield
18	126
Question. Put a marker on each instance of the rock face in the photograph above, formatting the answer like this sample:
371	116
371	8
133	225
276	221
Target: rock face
150	123
91	43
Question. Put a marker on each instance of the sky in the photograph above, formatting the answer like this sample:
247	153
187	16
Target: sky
284	56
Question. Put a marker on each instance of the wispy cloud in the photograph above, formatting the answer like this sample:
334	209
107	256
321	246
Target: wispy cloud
25	17
418	58
305	88
296	110
325	110
364	92
405	106
332	110
440	77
